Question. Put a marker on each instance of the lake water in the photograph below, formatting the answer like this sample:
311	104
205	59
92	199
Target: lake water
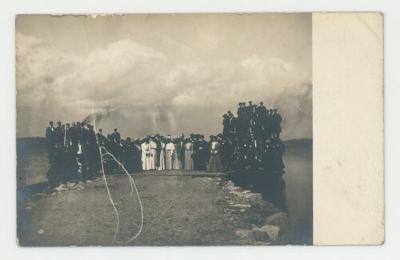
289	190
299	196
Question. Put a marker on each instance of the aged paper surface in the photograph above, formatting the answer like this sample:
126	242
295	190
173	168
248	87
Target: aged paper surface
323	72
348	128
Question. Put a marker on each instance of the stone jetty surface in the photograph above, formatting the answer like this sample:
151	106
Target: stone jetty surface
178	208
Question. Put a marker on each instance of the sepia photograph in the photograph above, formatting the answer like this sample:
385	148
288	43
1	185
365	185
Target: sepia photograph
164	129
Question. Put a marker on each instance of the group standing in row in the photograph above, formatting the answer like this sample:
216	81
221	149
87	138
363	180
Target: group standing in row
249	141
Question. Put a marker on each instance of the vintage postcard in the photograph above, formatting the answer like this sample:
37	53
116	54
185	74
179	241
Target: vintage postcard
199	129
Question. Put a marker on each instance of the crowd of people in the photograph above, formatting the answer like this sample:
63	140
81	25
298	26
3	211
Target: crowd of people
249	141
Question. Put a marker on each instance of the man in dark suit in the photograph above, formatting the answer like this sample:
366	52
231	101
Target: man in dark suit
231	124
59	134
240	110
195	154
276	123
250	111
261	111
101	139
92	153
50	137
227	149
116	137
116	144
225	123
181	150
267	126
67	136
203	153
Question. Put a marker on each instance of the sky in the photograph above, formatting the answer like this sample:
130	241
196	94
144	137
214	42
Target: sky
167	74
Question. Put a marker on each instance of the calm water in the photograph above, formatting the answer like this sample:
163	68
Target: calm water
298	178
290	191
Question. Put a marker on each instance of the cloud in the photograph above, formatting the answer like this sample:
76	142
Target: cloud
149	90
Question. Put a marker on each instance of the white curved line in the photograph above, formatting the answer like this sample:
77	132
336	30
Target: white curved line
109	196
133	186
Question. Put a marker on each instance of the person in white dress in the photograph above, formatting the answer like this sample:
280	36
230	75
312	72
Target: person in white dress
188	155
177	164
153	154
170	154
145	154
162	165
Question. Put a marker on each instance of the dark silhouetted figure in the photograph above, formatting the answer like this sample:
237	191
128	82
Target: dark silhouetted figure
50	137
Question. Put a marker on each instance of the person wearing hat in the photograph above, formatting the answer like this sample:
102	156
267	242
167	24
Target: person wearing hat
59	134
51	144
276	119
67	141
145	147
161	154
214	162
266	125
202	154
258	127
100	137
130	155
195	155
225	124
92	154
242	110
170	153
152	153
116	136
249	111
50	137
177	163
261	111
188	154
227	149
56	171
232	121
181	151
241	127
137	159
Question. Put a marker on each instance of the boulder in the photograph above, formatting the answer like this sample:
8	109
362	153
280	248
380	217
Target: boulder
266	233
243	233
265	208
279	219
71	184
259	235
254	218
263	204
270	230
61	188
